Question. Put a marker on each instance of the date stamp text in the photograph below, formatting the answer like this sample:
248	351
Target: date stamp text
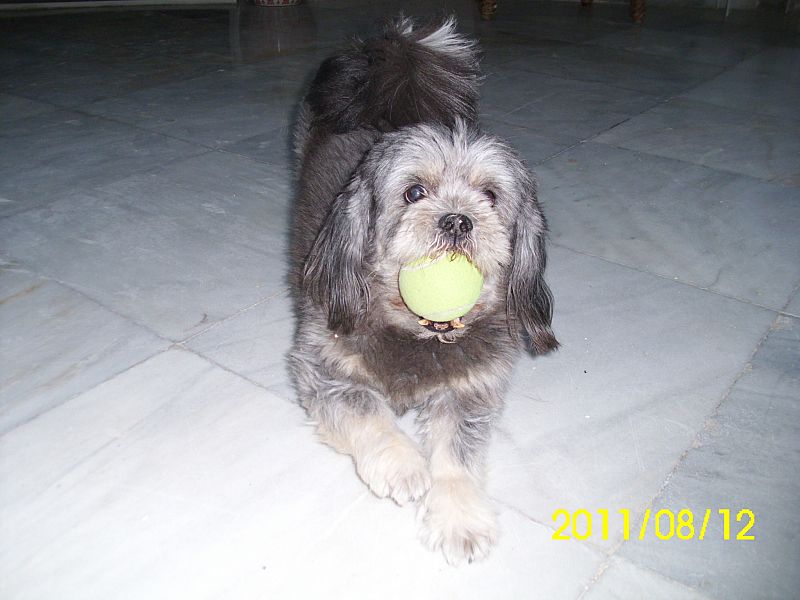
664	524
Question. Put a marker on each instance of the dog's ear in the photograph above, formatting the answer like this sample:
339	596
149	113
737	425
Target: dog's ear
334	272
530	302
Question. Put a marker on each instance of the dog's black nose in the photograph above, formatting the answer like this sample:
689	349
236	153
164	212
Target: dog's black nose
455	225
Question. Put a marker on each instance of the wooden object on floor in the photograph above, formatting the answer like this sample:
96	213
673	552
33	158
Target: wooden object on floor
488	9
637	9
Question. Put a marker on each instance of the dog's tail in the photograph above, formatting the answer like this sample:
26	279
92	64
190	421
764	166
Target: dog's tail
406	76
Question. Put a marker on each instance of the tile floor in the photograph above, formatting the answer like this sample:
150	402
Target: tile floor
149	442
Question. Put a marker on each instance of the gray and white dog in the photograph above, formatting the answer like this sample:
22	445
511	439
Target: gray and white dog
393	167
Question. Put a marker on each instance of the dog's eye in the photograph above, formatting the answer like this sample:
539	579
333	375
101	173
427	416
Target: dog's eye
490	196
414	193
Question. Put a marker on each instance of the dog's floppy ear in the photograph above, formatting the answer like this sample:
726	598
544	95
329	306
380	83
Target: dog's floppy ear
530	302
334	272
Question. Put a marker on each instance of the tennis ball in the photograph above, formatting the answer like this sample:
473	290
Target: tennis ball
440	289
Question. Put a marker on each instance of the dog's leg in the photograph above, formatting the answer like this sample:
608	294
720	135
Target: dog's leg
457	516
356	420
386	459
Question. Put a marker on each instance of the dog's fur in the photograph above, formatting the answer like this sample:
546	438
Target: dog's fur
389	113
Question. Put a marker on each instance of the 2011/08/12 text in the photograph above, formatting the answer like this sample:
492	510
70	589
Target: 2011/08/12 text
664	524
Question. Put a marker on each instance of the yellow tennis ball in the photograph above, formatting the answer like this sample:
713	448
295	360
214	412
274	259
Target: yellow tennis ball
440	289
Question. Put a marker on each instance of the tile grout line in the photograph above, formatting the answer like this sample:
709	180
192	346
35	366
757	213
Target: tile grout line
778	311
146	87
169	343
81	109
607	553
291	165
87	389
785	311
663	97
657	574
172	346
222	367
660	102
596	42
659	99
241	311
729	173
693	445
203	147
20	267
202	150
555	155
515	509
135	321
682	95
774	181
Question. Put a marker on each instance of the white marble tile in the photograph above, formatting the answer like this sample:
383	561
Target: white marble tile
254	344
653	75
679	45
47	156
56	343
384	558
532	146
560	21
747	457
764	27
283	44
176	479
30	41
121	38
504	90
274	147
15	107
601	422
556	107
498	48
793	307
190	35
180	479
78	80
761	146
216	109
625	581
175	250
768	83
731	234
781	60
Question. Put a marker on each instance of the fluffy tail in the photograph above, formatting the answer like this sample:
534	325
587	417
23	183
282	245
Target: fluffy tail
404	77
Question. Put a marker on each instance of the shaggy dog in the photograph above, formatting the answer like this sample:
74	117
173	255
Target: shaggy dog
393	167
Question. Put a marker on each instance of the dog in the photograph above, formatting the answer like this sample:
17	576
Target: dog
392	166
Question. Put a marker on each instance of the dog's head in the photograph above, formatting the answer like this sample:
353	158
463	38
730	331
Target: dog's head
422	191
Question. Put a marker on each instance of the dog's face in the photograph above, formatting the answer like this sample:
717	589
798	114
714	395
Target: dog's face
445	190
422	191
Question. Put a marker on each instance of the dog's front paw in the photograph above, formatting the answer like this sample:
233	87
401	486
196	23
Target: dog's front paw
395	469
458	519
